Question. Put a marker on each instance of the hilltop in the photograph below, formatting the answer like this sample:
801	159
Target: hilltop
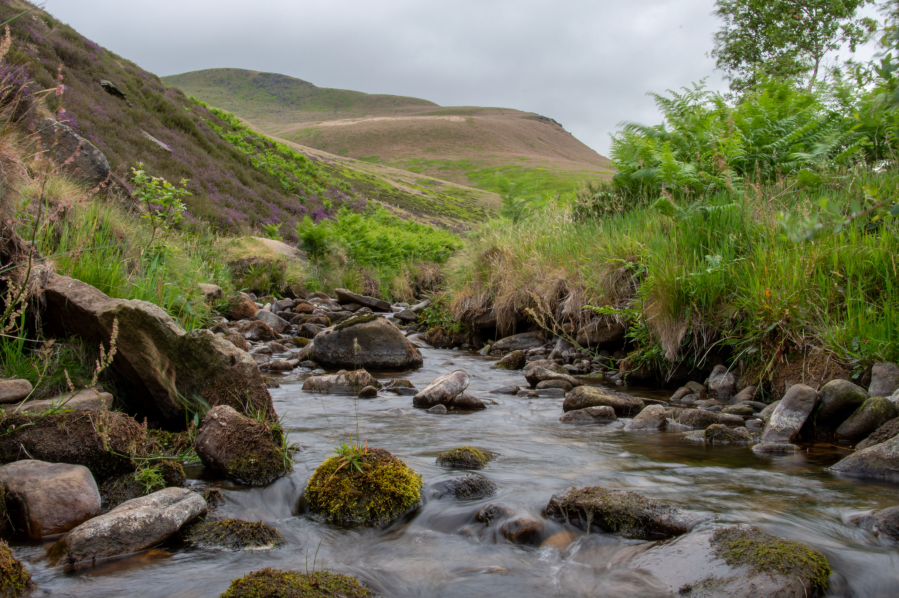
464	144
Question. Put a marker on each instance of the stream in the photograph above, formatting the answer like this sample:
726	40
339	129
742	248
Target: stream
440	550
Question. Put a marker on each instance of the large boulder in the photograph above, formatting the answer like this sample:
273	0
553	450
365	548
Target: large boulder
622	512
374	489
519	342
44	499
788	418
734	562
722	384
539	374
878	461
369	342
12	391
442	390
157	363
242	449
652	417
102	441
347	383
884	380
73	154
131	527
345	296
875	412
837	400
589	416
594	396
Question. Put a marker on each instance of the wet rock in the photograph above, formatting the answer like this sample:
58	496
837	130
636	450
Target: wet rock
369	342
131	527
346	296
622	512
15	580
89	398
513	361
722	383
369	392
418	341
75	437
878	461
271	583
884	380
736	562
471	487
441	390
74	155
522	531
506	390
721	434
652	417
493	513
589	415
465	402
741	410
562	385
44	499
881	434
464	457
745	395
241	448
875	412
767	412
519	342
234	534
381	489
592	396
347	383
790	414
438	410
698	419
12	391
838	399
241	307
775	447
884	522
540	374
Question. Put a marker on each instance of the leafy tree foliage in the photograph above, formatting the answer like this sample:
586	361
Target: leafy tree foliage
784	38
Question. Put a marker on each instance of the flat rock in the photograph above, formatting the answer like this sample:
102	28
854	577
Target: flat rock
506	390
12	391
89	398
465	402
133	526
44	499
593	396
589	416
540	374
879	461
442	389
347	296
790	414
519	342
347	383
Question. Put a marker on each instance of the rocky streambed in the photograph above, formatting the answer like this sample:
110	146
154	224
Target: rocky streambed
457	544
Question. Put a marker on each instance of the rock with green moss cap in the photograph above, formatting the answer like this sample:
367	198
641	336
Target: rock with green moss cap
242	449
376	492
735	562
875	412
273	583
15	580
369	342
464	457
626	513
234	534
513	361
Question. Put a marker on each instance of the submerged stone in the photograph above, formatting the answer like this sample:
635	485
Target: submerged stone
234	534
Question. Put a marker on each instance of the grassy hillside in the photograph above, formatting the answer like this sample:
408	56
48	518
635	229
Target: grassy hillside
465	145
231	183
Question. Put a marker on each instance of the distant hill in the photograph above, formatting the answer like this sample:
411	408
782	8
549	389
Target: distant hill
234	179
464	145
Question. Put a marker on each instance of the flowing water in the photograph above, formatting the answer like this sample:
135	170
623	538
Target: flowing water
440	550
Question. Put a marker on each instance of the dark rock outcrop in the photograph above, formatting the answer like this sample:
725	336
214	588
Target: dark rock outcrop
369	342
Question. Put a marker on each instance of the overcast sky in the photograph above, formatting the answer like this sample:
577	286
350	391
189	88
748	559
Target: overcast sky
586	63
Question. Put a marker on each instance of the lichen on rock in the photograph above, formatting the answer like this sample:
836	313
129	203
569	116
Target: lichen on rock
270	582
464	457
384	489
234	534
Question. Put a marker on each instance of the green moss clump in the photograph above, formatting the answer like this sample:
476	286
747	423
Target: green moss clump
234	534
272	583
15	579
464	457
163	442
384	489
769	554
301	342
355	320
260	467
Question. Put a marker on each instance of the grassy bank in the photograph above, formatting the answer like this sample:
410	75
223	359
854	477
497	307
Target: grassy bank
718	276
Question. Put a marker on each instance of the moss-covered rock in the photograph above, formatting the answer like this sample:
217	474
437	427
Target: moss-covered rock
384	489
873	413
471	487
273	583
234	534
464	457
622	512
769	554
721	434
512	361
15	580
